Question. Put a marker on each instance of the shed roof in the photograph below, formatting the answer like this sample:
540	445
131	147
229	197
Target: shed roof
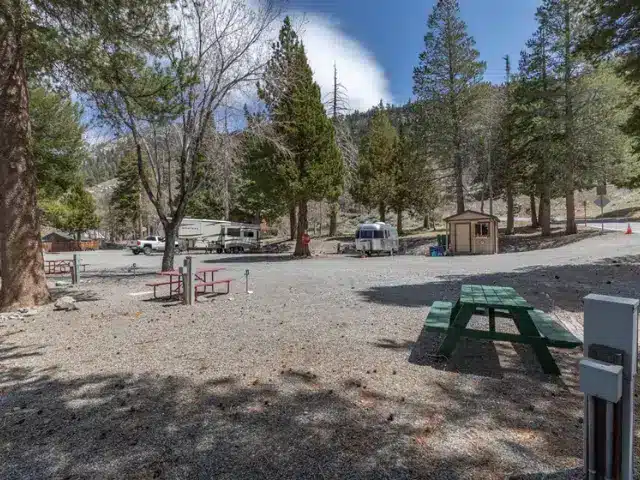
471	214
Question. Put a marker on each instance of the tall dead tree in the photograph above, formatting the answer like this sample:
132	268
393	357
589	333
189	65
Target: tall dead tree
339	107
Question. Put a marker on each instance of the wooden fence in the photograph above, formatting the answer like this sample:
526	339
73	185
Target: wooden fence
70	246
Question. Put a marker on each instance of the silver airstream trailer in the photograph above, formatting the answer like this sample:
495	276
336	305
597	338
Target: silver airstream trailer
376	237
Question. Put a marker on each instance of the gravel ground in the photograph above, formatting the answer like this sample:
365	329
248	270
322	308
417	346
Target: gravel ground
322	372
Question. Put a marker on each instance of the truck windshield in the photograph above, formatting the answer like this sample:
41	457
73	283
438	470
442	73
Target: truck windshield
151	238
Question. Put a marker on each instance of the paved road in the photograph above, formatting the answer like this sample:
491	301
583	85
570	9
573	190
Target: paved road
617	226
400	268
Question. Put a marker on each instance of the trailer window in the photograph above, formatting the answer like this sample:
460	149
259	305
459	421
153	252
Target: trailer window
366	234
378	234
233	232
248	234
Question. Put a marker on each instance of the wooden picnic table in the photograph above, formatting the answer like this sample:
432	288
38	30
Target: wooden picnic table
201	274
534	326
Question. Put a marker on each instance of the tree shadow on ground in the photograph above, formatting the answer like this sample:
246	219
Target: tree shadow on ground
569	474
150	426
545	287
119	426
482	358
251	258
78	295
121	273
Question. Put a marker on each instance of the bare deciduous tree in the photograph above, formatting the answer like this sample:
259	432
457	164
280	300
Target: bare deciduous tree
218	51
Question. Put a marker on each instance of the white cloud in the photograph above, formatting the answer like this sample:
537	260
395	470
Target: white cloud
358	70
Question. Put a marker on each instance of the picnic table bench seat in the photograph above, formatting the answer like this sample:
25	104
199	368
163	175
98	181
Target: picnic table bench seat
204	285
556	335
155	285
439	316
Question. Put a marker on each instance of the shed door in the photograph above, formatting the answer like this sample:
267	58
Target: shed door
463	237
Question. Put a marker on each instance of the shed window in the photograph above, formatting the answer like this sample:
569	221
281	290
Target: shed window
482	230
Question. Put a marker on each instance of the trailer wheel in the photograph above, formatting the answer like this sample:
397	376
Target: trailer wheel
219	250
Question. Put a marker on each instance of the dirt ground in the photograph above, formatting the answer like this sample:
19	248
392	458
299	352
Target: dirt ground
324	371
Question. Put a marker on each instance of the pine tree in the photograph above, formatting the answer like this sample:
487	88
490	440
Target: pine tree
58	145
314	170
615	28
445	76
62	40
511	170
565	26
538	114
74	212
374	183
126	199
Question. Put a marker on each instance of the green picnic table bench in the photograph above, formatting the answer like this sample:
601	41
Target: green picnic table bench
536	327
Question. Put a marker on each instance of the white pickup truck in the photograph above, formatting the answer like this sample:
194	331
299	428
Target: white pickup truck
150	245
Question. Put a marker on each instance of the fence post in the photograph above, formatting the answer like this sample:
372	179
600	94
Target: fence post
607	378
75	270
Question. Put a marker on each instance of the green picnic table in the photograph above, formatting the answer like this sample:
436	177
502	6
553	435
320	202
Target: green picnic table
536	327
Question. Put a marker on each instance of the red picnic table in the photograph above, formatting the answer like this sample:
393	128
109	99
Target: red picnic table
60	266
201	274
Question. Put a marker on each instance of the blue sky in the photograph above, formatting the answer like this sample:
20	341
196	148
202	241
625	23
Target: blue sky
387	36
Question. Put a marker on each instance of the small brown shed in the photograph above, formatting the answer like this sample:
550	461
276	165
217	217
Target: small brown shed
472	232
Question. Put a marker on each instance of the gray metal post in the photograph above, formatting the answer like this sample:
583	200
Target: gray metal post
75	271
188	281
185	279
609	442
246	283
589	422
613	322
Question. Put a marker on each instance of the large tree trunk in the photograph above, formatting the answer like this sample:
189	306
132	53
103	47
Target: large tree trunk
459	185
170	235
23	280
510	209
399	225
535	222
139	219
570	202
333	219
382	211
426	221
571	226
302	250
292	221
545	210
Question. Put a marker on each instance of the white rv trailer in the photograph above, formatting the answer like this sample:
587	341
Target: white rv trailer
376	237
198	233
220	236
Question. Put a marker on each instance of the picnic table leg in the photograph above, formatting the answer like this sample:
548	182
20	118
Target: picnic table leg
492	319
454	312
527	328
457	325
